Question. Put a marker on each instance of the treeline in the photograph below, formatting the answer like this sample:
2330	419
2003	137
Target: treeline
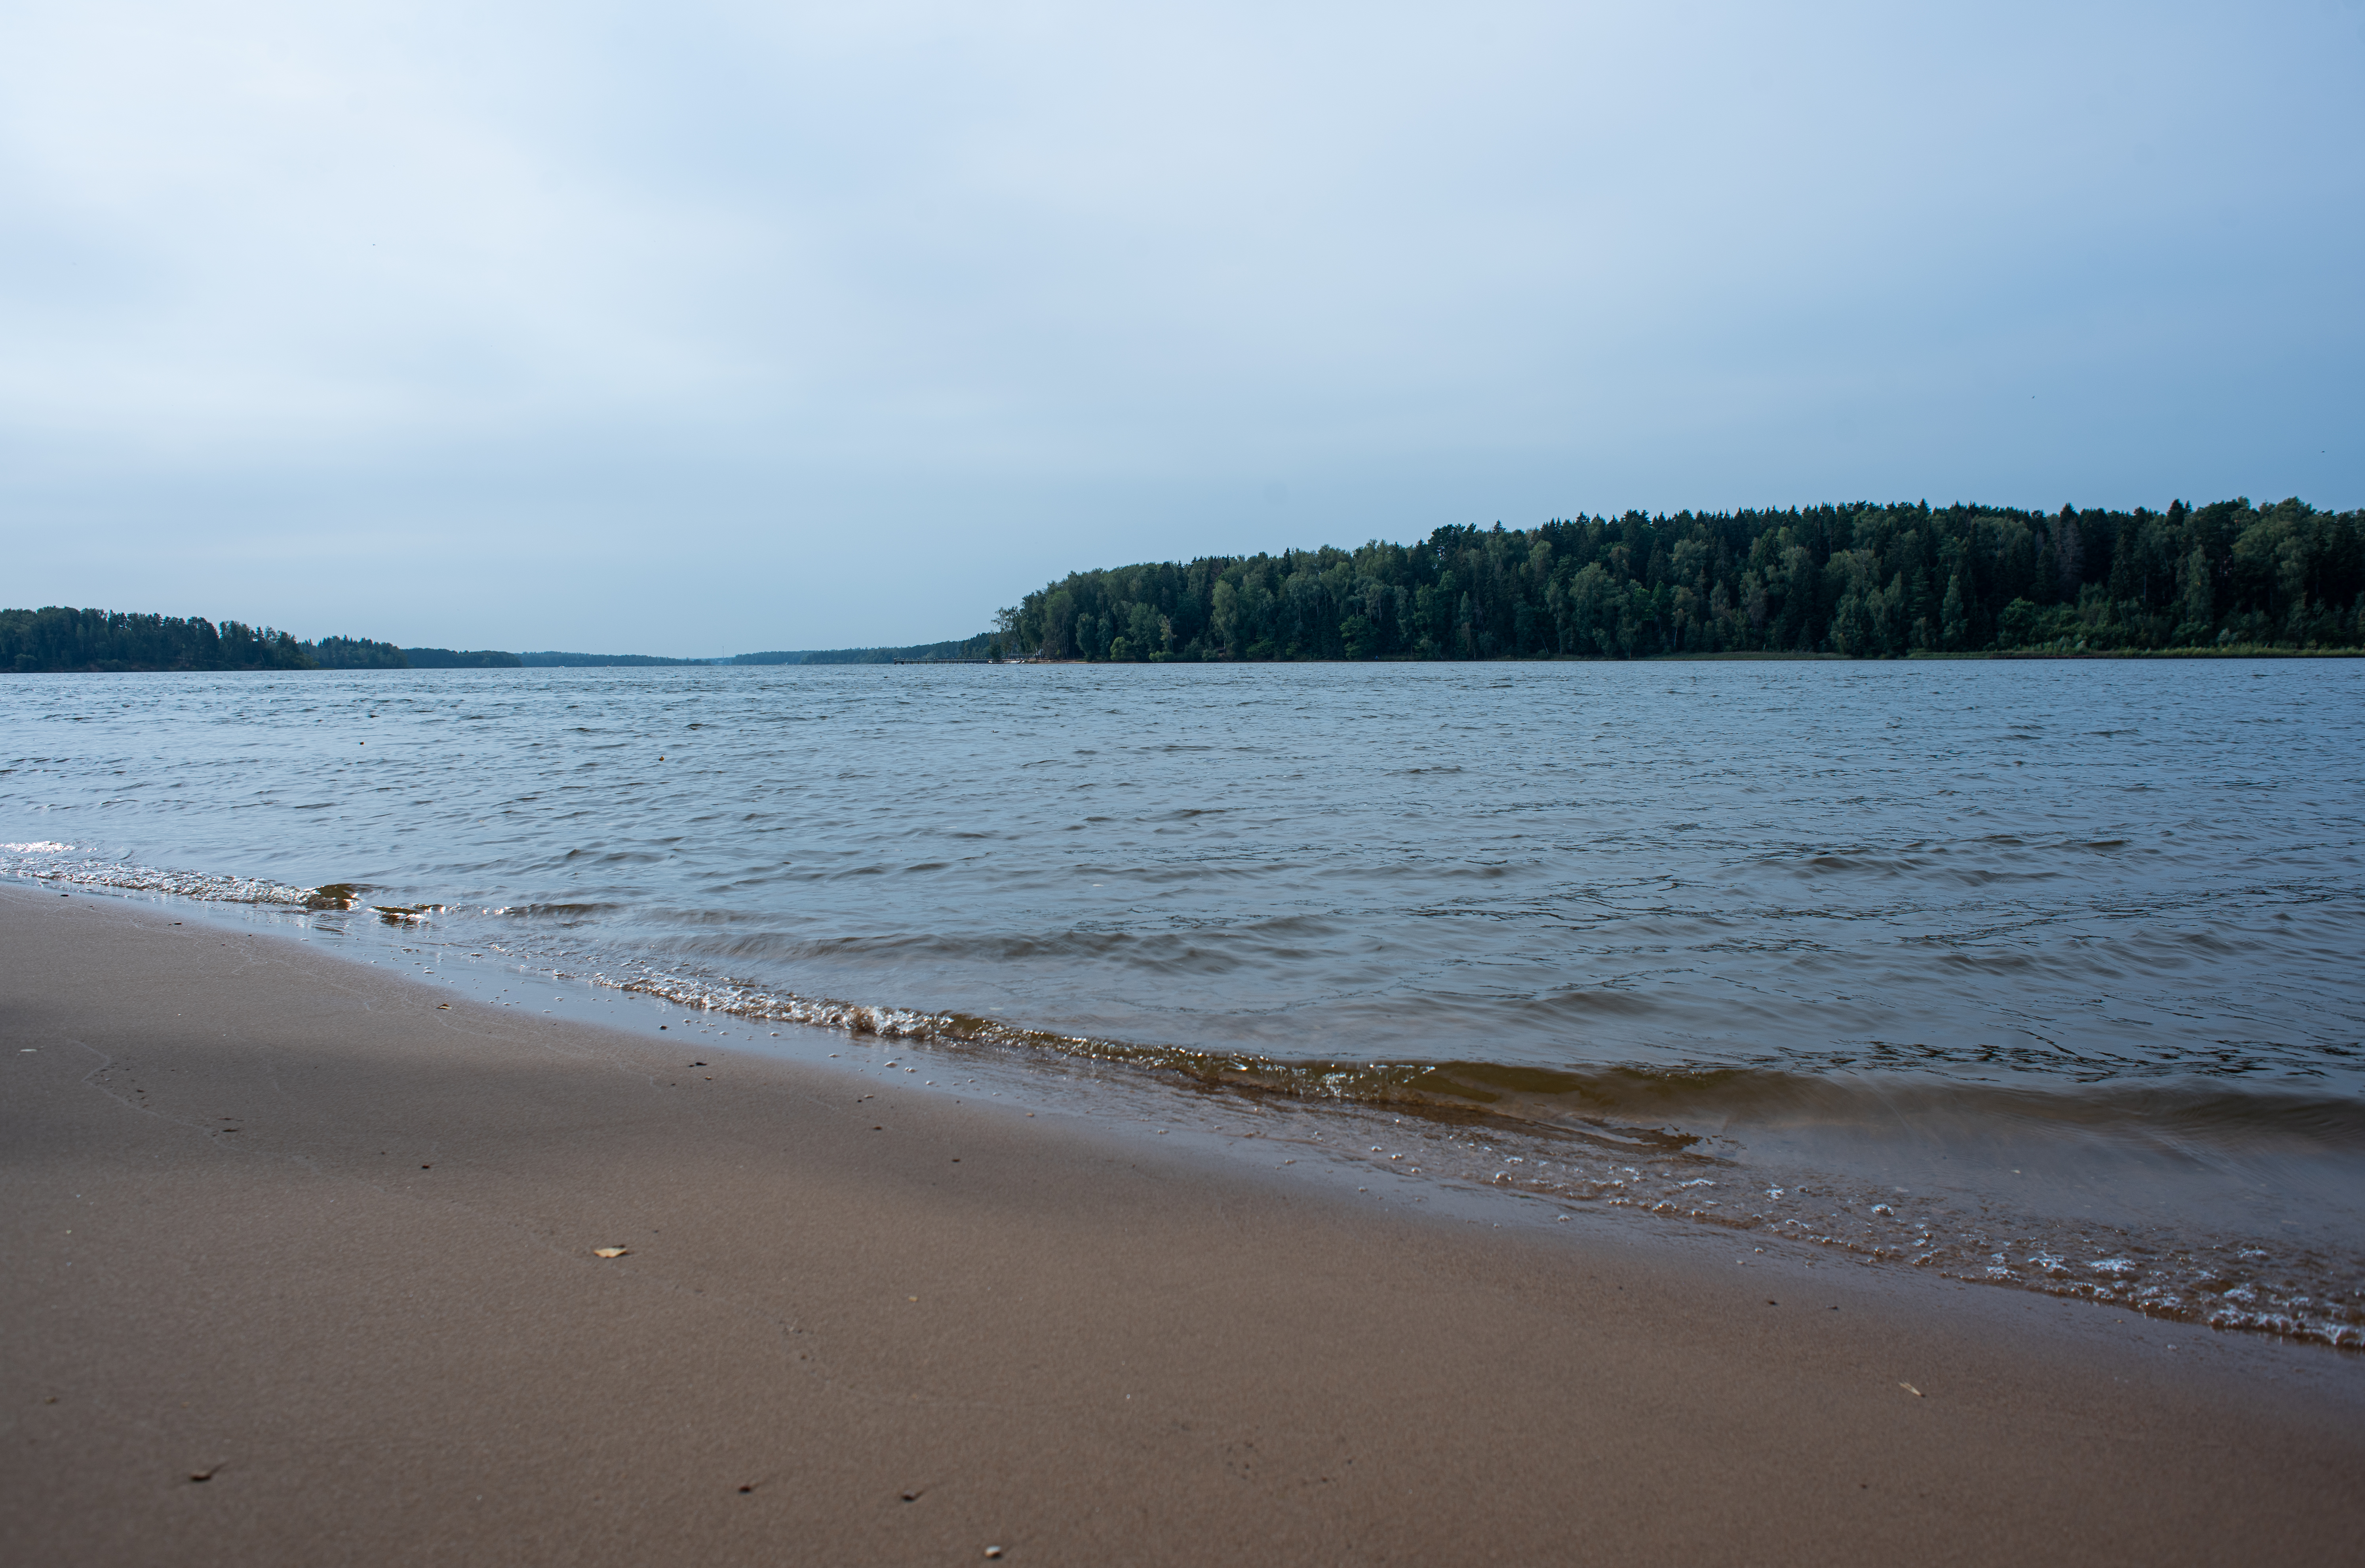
359	653
355	653
984	645
551	659
58	639
455	658
1857	580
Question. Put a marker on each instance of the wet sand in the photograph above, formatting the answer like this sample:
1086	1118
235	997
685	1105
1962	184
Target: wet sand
282	1222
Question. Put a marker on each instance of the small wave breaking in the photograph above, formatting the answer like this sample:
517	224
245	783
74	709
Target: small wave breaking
1683	1145
50	862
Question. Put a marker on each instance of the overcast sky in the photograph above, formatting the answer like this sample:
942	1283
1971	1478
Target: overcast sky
700	328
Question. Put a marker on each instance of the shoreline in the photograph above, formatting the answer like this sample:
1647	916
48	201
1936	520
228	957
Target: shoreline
1890	1173
1895	1173
324	1235
2232	650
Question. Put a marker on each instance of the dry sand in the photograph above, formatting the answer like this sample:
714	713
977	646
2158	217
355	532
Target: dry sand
279	1221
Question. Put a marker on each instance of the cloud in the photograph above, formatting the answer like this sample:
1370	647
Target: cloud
693	307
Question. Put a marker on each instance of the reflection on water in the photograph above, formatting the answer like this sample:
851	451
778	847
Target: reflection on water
1929	925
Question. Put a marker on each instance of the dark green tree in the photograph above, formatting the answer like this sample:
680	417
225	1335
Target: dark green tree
1860	580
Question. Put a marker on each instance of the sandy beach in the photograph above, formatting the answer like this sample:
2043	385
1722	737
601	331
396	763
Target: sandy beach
301	1269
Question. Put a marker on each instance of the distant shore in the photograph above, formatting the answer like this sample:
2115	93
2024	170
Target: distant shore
1851	580
1738	657
303	1268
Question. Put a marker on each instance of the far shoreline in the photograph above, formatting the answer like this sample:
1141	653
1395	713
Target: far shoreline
1990	655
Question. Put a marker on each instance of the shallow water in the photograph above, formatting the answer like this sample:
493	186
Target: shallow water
2066	951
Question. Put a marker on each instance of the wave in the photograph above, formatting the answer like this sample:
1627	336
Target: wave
1570	1097
68	863
1659	1141
1642	1105
1796	1155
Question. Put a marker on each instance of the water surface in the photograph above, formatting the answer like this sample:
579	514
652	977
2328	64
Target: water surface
2048	960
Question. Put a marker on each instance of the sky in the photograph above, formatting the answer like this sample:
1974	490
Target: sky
708	327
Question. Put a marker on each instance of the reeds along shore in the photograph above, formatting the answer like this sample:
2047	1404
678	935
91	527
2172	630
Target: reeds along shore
306	1267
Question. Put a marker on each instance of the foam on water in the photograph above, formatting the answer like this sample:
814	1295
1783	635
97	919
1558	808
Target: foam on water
64	863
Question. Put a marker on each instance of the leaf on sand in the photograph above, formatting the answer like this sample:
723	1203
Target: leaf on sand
610	1251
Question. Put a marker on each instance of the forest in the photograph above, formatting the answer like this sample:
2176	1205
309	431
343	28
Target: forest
977	647
1855	581
554	659
455	658
355	653
56	638
1859	580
